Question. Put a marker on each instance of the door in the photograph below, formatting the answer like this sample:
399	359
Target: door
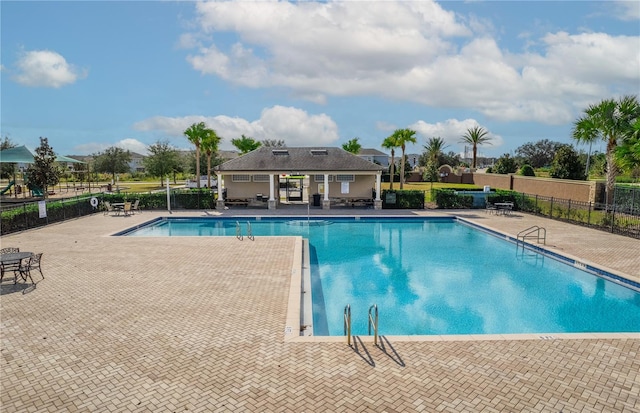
294	189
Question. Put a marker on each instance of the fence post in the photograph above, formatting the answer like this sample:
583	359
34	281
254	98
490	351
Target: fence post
551	209
589	215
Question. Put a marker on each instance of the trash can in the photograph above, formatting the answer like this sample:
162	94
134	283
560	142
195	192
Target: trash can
316	199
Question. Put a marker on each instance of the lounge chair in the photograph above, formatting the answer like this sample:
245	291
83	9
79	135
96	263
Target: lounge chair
32	264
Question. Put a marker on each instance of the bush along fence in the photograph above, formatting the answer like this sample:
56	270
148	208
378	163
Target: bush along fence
623	219
19	217
392	199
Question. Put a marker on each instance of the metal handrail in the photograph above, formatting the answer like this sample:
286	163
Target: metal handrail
526	232
373	322
238	231
249	231
347	323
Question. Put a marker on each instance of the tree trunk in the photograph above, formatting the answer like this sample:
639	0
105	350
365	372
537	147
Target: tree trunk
392	170
402	170
198	165
612	171
475	154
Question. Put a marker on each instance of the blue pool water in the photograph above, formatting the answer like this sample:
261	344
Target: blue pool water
434	276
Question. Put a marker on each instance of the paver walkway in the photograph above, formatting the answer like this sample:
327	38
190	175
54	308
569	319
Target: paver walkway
196	324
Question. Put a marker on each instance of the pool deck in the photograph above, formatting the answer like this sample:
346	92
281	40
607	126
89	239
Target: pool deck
126	324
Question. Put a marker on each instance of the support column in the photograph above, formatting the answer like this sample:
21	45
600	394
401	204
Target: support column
326	204
220	201
377	203
272	200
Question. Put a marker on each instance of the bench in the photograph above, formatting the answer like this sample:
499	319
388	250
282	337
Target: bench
351	202
240	202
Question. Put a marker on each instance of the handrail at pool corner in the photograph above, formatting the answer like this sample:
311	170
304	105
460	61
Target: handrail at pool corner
238	231
347	323
373	322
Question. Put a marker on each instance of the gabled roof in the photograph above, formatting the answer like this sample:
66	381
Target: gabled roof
371	152
299	160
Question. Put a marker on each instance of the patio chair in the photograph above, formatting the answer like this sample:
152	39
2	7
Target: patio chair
9	265
491	208
110	208
32	264
127	209
135	208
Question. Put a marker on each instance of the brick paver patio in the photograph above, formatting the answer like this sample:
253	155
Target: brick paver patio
197	324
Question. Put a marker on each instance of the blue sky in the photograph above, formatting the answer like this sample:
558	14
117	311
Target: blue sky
93	74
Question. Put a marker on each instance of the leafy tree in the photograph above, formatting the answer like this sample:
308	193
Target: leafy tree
566	164
431	172
402	137
610	121
162	160
7	170
476	136
113	160
273	143
43	173
391	143
245	144
352	146
196	133
526	170
538	154
210	144
450	158
505	165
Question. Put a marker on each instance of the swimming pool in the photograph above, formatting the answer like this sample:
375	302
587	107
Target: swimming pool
433	276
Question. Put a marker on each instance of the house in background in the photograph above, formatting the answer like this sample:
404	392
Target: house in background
136	164
289	175
375	156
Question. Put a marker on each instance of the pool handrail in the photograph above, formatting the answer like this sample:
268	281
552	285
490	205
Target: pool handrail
373	322
347	323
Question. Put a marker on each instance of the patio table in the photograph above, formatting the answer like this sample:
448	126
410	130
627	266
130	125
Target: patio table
11	259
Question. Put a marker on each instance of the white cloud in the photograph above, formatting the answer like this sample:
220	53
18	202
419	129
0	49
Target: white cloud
626	10
129	144
295	126
451	131
45	68
412	51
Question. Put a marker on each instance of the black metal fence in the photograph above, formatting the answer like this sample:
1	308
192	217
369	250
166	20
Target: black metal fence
16	217
623	219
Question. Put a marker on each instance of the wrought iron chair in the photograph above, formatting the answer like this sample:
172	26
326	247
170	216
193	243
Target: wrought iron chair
33	263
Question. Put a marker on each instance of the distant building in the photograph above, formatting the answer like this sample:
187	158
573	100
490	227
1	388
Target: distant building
136	164
375	156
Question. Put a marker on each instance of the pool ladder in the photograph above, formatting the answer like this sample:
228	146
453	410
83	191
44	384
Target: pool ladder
539	233
373	323
239	231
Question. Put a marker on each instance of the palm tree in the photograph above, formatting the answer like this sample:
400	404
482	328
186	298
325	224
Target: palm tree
611	121
209	145
390	143
434	148
195	133
402	136
245	144
476	136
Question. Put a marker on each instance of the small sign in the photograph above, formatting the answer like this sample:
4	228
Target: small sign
391	198
42	209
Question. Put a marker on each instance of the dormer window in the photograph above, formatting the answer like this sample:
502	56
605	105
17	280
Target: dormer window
280	152
318	152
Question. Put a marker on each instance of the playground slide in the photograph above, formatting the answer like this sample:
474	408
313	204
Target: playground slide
5	190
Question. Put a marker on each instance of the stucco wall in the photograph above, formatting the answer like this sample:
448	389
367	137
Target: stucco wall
361	188
583	191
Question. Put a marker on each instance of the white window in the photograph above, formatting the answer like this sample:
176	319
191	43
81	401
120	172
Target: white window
261	178
241	178
320	178
345	178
